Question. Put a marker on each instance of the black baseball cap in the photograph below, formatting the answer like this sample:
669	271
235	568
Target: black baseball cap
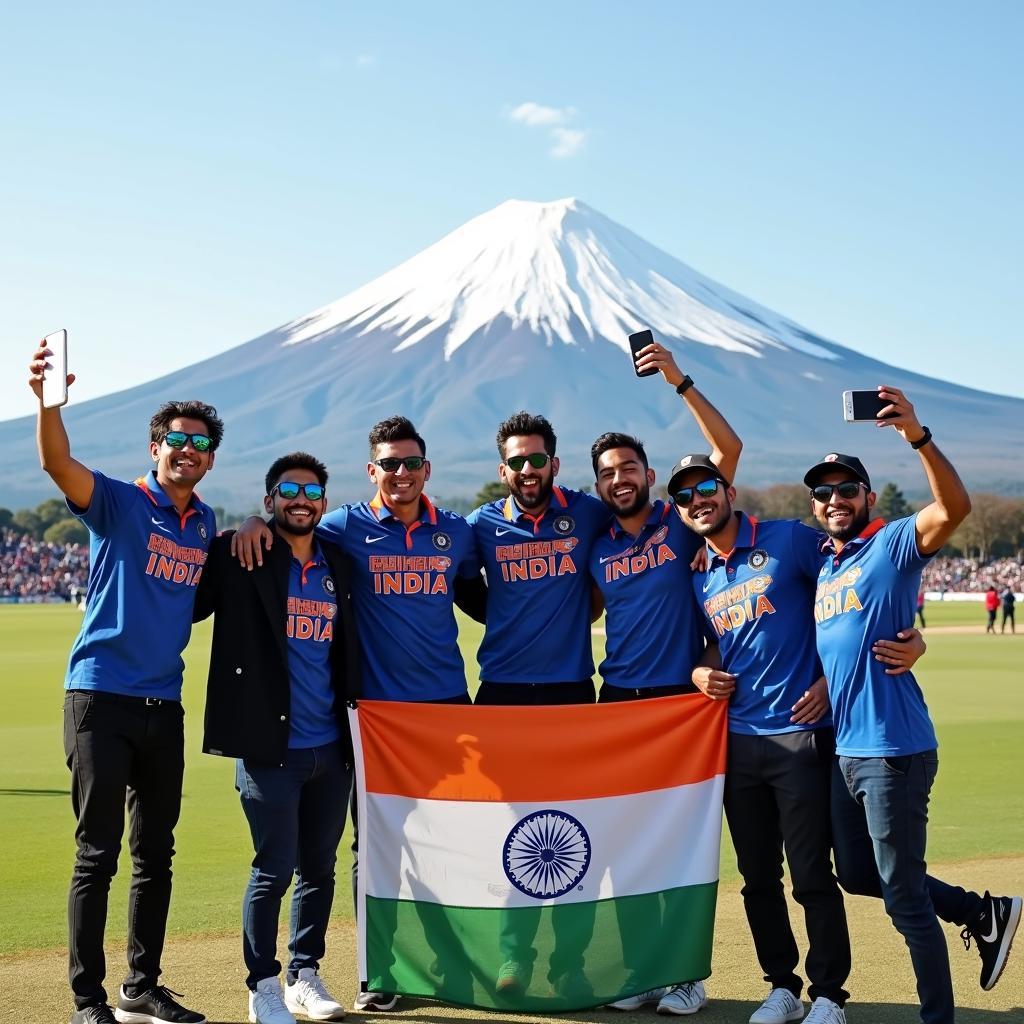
836	460
691	462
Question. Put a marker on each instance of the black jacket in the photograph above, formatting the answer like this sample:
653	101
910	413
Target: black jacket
248	693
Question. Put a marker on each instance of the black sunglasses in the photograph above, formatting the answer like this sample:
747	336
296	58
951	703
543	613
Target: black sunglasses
288	489
538	460
705	489
847	489
178	439
411	463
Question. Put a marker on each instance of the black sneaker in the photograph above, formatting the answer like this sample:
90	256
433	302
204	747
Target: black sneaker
155	1006
993	931
98	1014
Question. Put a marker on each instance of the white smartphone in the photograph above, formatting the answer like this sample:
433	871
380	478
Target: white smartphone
863	405
55	383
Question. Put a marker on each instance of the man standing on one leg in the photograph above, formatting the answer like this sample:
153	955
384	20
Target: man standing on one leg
884	737
123	731
284	658
757	596
641	565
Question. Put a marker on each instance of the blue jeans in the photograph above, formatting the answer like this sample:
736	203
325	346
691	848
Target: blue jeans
879	830
296	814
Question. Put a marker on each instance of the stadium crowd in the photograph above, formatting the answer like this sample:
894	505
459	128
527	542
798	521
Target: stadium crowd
34	571
971	575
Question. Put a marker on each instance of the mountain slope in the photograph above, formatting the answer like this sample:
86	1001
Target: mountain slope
529	306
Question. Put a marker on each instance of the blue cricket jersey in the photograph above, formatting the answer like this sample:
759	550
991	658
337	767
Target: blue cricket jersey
869	590
145	560
403	596
757	602
312	613
538	588
653	629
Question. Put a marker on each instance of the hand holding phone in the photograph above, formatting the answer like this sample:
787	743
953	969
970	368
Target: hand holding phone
637	343
860	406
49	370
651	357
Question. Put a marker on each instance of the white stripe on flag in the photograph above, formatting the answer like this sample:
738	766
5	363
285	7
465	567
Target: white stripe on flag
450	852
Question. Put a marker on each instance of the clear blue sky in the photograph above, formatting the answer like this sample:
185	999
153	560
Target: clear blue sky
178	179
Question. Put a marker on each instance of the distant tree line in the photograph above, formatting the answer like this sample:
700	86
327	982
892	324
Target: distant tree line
994	529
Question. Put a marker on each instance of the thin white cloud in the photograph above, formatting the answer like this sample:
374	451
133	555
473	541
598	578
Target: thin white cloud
534	114
565	141
365	60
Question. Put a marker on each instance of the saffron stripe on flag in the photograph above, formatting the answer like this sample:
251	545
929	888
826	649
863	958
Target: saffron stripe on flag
549	754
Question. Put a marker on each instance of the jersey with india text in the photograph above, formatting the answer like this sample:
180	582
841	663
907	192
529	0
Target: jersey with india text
403	582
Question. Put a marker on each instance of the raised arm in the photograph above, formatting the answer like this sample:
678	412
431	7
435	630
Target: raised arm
725	442
74	479
937	521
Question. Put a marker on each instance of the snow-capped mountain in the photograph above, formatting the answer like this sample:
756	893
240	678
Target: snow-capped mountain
529	306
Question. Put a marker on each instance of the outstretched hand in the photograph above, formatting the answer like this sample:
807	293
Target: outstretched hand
38	367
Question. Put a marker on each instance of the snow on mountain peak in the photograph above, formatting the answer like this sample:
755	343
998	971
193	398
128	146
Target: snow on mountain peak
564	271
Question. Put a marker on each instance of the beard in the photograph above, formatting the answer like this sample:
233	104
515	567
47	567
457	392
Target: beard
285	525
710	526
541	497
640	501
858	520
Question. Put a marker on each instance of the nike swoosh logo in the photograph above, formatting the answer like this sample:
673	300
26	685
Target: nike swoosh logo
991	937
707	583
372	540
159	525
612	558
501	533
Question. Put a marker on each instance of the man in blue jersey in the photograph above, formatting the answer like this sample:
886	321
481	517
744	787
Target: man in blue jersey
409	558
641	565
283	661
535	546
123	734
884	737
755	597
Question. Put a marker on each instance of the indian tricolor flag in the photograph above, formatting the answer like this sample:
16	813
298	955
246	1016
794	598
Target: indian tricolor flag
537	858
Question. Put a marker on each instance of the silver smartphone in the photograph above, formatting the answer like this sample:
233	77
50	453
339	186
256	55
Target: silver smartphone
55	381
864	405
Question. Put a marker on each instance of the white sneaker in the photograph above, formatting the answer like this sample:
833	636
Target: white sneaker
375	1002
824	1011
684	999
308	996
652	995
780	1006
266	1004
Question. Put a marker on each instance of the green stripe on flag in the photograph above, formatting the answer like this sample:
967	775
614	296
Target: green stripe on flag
623	946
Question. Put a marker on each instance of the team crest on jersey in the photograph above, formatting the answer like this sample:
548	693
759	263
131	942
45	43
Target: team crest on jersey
202	530
329	585
564	524
758	559
441	541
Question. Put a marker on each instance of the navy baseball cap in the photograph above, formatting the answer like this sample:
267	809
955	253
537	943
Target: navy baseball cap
691	462
836	460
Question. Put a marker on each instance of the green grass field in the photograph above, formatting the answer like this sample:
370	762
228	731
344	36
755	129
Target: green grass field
973	684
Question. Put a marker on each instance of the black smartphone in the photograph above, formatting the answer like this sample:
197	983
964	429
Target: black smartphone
636	342
864	405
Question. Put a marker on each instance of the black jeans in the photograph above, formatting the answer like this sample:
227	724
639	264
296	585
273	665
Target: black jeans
535	694
616	694
116	746
777	795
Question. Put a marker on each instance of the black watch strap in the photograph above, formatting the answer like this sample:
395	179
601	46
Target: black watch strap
684	385
922	440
